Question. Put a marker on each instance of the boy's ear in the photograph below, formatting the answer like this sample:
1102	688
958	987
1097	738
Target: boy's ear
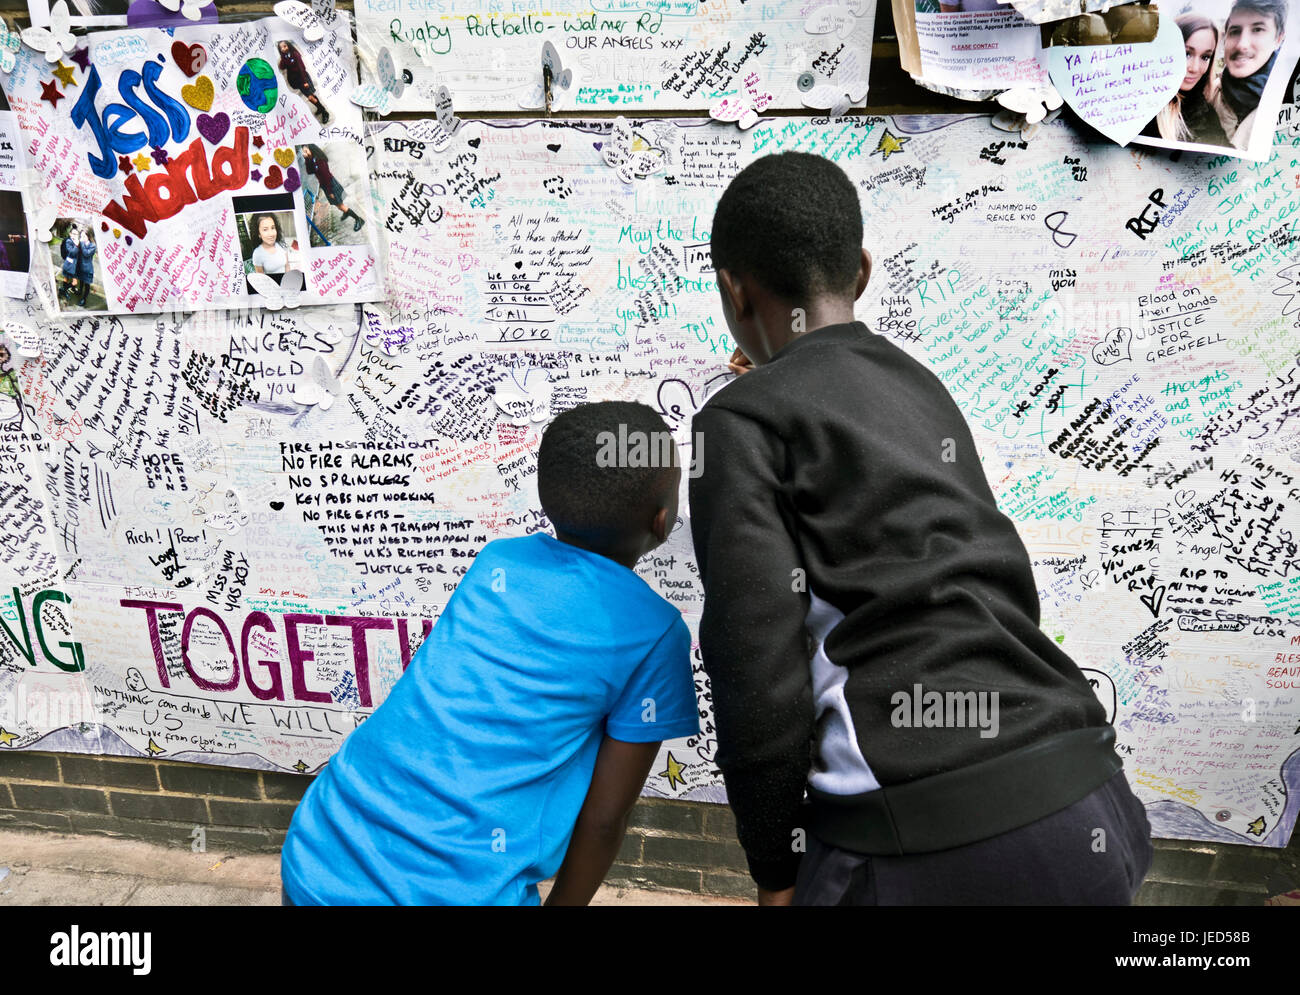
661	526
733	290
864	277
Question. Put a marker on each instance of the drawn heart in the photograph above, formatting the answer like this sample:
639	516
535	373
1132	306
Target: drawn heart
519	265
597	145
473	142
273	178
190	58
1090	578
277	505
198	94
1102	85
555	147
284	157
213	128
1116	346
1154	600
1183	497
292	181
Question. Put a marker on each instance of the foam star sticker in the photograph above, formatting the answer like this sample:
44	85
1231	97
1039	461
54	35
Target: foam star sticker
256	175
142	163
6	737
673	771
258	141
50	92
65	74
159	155
889	144
257	158
124	163
82	57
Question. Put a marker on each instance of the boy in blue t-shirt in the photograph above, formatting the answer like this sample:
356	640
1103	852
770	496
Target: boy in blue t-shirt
522	732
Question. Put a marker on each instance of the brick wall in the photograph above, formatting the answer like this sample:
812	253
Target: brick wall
154	800
670	844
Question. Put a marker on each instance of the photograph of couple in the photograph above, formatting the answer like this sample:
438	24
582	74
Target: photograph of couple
1232	49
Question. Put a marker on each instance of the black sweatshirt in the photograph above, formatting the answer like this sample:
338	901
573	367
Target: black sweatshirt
854	562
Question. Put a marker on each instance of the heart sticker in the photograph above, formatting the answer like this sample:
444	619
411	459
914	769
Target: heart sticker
198	94
213	128
117	232
273	178
190	58
1118	89
103	226
292	181
284	157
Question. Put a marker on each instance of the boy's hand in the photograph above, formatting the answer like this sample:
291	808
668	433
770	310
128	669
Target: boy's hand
621	770
739	362
783	897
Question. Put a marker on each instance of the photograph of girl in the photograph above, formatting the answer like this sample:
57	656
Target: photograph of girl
1190	115
75	263
269	243
295	72
342	225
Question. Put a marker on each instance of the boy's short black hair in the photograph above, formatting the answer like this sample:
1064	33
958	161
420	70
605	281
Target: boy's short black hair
1275	9
590	496
792	221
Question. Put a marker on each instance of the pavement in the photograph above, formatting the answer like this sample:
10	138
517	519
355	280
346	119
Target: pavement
55	869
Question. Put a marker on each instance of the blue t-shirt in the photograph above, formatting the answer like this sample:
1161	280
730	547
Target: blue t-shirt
464	786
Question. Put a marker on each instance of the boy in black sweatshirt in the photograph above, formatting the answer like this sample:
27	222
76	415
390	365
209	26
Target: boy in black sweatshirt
870	622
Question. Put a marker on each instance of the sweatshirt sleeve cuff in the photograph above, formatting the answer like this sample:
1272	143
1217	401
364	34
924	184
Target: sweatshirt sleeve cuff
774	875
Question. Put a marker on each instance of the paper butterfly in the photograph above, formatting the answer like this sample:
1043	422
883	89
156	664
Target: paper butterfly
836	98
442	104
55	40
234	517
381	332
629	154
743	108
191	10
428	130
525	402
379	97
10	43
317	386
284	294
1035	103
561	79
25	338
43	223
311	21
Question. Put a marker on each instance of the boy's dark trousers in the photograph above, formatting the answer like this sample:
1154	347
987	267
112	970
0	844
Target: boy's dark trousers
1094	852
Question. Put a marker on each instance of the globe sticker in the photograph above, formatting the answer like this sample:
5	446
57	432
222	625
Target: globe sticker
256	85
